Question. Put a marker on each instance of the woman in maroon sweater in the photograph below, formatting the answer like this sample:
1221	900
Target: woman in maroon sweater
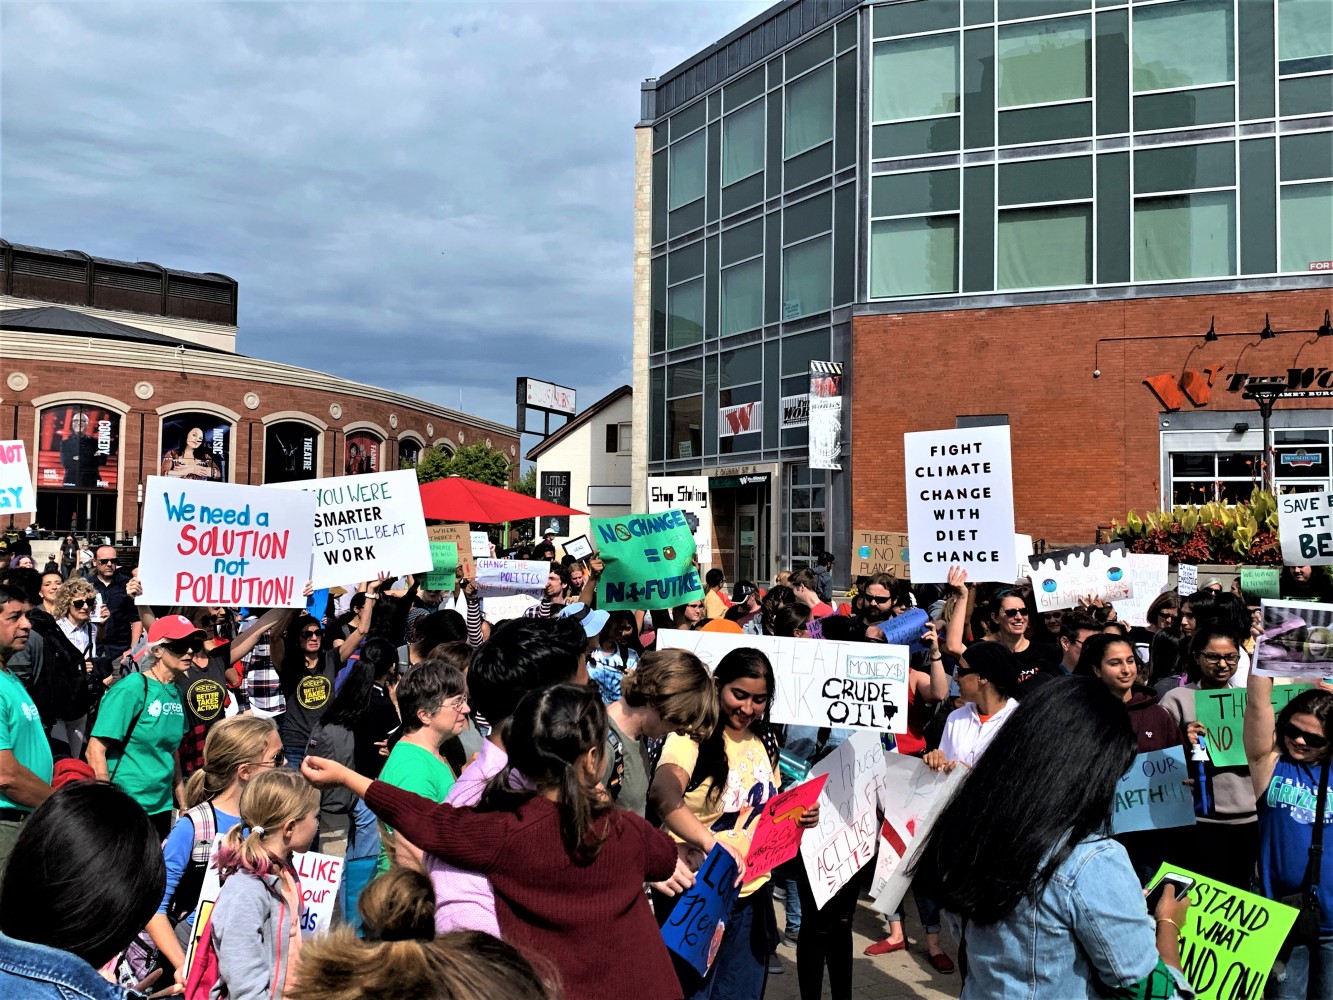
567	867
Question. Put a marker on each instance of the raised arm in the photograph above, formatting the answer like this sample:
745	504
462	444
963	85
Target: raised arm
1260	731
954	637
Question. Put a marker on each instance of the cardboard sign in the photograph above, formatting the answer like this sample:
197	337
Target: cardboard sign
777	834
319	875
688	494
1222	712
505	577
222	545
580	548
1297	640
1230	938
694	929
1187	579
820	682
444	567
960	503
880	552
1260	581
1062	577
16	492
461	536
1305	526
844	841
1150	576
648	560
481	545
366	525
1153	795
911	798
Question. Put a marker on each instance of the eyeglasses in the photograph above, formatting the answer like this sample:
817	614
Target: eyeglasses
456	704
1312	740
1167	617
963	671
695	607
879	600
109	562
279	760
84	603
311	633
1015	612
1230	659
185	647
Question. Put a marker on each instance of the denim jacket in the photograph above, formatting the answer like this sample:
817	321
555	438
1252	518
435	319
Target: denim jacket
1087	935
35	972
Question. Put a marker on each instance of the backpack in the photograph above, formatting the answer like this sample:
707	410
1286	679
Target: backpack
59	687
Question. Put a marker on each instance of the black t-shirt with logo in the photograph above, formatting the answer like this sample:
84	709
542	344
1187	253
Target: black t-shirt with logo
205	697
308	693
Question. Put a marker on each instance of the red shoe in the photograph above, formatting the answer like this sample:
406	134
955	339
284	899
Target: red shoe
941	962
886	947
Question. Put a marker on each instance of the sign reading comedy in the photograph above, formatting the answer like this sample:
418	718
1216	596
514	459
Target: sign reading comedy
960	504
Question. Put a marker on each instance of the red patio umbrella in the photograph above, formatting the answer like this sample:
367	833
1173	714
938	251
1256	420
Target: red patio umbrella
459	499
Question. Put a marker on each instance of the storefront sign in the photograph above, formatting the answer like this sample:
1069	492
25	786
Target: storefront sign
795	411
554	487
744	418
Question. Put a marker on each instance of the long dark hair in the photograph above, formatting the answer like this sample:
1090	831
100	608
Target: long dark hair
712	764
1165	654
549	734
1023	809
1094	651
1316	702
352	701
777	597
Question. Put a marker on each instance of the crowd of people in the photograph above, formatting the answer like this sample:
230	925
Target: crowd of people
520	805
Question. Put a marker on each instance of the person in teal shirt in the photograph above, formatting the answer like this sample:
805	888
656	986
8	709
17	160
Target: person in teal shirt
25	756
141	723
432	700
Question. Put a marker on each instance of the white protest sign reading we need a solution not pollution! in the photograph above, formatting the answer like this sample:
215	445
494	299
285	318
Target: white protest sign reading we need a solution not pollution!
224	545
365	525
819	682
960	503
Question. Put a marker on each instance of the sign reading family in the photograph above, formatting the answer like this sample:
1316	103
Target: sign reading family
960	503
16	494
223	545
366	525
648	561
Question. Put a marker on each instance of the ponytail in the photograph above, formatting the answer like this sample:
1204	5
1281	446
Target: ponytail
272	800
233	742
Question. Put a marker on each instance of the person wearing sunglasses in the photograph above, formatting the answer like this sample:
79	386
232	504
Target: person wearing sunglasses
987	675
1289	758
74	606
1008	618
109	582
139	729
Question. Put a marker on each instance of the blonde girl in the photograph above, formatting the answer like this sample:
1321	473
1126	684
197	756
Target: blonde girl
256	923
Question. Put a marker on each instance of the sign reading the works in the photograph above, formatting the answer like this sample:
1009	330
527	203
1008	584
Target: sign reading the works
1198	386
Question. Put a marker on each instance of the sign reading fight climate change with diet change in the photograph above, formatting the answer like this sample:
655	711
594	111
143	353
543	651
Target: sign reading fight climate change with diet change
221	545
960	504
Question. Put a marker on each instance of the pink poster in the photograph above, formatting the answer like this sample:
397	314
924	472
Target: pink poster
777	835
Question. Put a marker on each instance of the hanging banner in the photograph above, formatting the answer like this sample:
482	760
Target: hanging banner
78	446
1305	526
743	418
291	452
196	446
844	840
911	798
1150	576
1063	577
880	552
688	494
960	504
825	414
16	492
1297	640
648	561
795	411
366	525
361	453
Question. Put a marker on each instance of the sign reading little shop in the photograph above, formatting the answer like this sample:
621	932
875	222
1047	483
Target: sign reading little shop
648	561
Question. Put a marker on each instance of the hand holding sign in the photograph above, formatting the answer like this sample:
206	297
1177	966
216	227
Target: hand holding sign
782	822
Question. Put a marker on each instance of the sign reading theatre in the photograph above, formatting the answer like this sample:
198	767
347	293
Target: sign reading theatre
960	503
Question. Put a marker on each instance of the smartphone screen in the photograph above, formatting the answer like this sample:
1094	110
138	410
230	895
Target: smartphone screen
1181	884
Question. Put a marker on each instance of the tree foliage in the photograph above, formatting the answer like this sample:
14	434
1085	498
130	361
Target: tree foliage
476	462
527	483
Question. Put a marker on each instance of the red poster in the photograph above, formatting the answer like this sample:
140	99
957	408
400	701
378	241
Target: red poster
777	835
78	447
362	453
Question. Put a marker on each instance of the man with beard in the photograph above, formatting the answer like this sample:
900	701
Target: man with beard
883	597
25	756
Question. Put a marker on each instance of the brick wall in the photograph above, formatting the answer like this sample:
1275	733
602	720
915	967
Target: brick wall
1085	450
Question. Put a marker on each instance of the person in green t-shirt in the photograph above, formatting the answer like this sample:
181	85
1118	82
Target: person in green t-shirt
432	700
25	755
141	723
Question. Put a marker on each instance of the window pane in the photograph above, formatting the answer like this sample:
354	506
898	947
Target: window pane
1045	61
742	297
741	368
687	170
809	111
1183	44
743	143
915	78
1307	225
1041	247
914	256
685	314
1188	236
685	427
807	278
1304	29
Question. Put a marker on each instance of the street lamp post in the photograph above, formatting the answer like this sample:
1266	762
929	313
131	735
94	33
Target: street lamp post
1265	394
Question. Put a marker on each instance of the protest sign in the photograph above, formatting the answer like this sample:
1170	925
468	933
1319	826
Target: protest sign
1151	576
1153	795
820	682
879	552
505	577
1022	552
320	875
1222	712
1187	579
960	503
777	834
694	929
844	840
222	545
444	567
1260	581
1305	526
16	493
1230	938
481	544
648	561
1061	577
579	548
366	525
498	609
911	798
690	495
1297	640
461	536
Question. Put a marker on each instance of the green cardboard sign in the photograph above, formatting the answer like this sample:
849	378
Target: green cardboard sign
1260	581
1222	712
1229	938
648	561
444	566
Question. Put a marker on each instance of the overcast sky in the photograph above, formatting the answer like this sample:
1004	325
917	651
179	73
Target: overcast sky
431	197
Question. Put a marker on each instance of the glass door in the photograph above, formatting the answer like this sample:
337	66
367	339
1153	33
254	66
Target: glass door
747	542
